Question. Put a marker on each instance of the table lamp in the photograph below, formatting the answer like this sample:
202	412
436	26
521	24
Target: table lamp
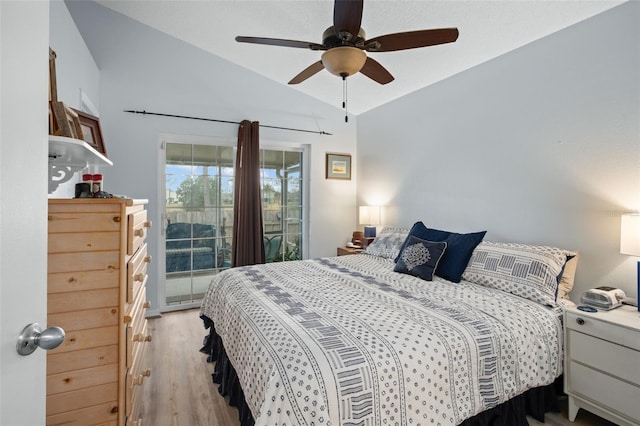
370	217
630	239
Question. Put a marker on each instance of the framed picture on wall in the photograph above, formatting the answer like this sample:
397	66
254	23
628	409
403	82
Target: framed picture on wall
91	131
338	166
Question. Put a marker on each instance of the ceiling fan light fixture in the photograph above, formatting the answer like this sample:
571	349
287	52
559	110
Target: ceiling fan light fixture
344	61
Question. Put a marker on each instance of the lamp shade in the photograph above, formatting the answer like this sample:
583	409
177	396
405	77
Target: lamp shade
370	215
630	234
344	60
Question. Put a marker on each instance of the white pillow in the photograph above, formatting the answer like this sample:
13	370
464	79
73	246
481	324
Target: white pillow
568	276
531	272
388	242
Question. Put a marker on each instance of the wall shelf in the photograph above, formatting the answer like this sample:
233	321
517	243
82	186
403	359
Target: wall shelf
68	156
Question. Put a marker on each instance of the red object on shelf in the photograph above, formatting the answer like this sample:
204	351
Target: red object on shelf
97	183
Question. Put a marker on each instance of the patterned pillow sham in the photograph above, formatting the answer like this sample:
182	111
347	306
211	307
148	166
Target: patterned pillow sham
420	257
531	272
459	249
388	242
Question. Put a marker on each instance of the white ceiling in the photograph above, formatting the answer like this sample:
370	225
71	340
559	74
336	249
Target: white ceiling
487	29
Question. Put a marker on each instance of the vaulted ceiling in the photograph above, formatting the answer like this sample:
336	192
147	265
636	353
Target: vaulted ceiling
487	29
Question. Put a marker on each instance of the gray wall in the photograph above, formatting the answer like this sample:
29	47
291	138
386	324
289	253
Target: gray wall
538	146
77	73
144	69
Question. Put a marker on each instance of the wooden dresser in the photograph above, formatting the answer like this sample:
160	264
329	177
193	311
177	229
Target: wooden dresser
97	273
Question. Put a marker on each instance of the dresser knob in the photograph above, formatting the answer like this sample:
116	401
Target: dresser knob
580	321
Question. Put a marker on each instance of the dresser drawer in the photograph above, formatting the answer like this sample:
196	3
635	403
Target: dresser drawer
616	360
137	226
594	326
137	333
137	376
605	390
137	272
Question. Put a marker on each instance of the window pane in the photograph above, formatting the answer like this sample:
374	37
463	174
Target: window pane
206	155
179	154
199	182
226	159
226	191
293	164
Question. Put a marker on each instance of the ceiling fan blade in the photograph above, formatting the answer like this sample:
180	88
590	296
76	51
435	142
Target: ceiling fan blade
411	40
281	42
347	16
312	69
376	72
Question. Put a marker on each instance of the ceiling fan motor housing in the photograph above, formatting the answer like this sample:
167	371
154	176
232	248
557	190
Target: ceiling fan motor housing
330	38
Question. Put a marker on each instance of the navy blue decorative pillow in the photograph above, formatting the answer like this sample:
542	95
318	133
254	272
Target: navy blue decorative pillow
459	249
420	257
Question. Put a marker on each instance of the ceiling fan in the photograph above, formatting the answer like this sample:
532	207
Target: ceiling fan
345	45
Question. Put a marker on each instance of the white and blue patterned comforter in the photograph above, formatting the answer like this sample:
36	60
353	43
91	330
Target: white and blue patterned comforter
347	341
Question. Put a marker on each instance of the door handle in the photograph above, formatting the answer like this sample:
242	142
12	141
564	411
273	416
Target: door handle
32	337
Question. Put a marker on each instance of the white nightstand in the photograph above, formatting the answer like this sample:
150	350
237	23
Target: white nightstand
602	363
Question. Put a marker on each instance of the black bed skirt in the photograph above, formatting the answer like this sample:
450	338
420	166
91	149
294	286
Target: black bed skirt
534	402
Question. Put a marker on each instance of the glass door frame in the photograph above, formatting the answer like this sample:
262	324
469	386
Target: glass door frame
219	141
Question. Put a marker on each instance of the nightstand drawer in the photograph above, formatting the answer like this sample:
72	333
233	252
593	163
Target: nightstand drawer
595	326
605	390
601	355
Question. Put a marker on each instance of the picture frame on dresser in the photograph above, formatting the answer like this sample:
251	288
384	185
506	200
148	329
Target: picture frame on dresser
91	131
65	120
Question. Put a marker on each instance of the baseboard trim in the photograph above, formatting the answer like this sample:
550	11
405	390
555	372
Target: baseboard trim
153	313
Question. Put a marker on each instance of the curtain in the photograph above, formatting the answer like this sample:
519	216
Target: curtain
248	247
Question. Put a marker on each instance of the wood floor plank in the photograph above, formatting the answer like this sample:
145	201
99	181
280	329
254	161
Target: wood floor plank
180	391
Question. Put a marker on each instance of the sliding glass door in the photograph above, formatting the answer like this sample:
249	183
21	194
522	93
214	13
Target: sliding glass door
199	214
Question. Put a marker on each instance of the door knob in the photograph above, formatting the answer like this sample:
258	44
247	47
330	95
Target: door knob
32	337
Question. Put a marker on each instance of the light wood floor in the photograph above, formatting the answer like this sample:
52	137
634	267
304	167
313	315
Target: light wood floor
181	393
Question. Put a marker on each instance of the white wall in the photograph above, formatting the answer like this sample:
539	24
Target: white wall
144	69
77	73
538	146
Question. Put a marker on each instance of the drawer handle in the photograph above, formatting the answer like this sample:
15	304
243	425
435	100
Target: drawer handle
147	373
147	259
138	277
147	224
146	305
139	232
580	321
140	337
137	381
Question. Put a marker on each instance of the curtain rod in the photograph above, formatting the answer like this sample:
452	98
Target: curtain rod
320	132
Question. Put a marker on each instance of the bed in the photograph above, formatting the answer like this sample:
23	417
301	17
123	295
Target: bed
354	340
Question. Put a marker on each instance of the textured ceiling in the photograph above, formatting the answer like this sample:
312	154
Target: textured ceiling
487	29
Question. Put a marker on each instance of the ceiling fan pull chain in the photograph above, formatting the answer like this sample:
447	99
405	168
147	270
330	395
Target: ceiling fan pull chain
344	98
